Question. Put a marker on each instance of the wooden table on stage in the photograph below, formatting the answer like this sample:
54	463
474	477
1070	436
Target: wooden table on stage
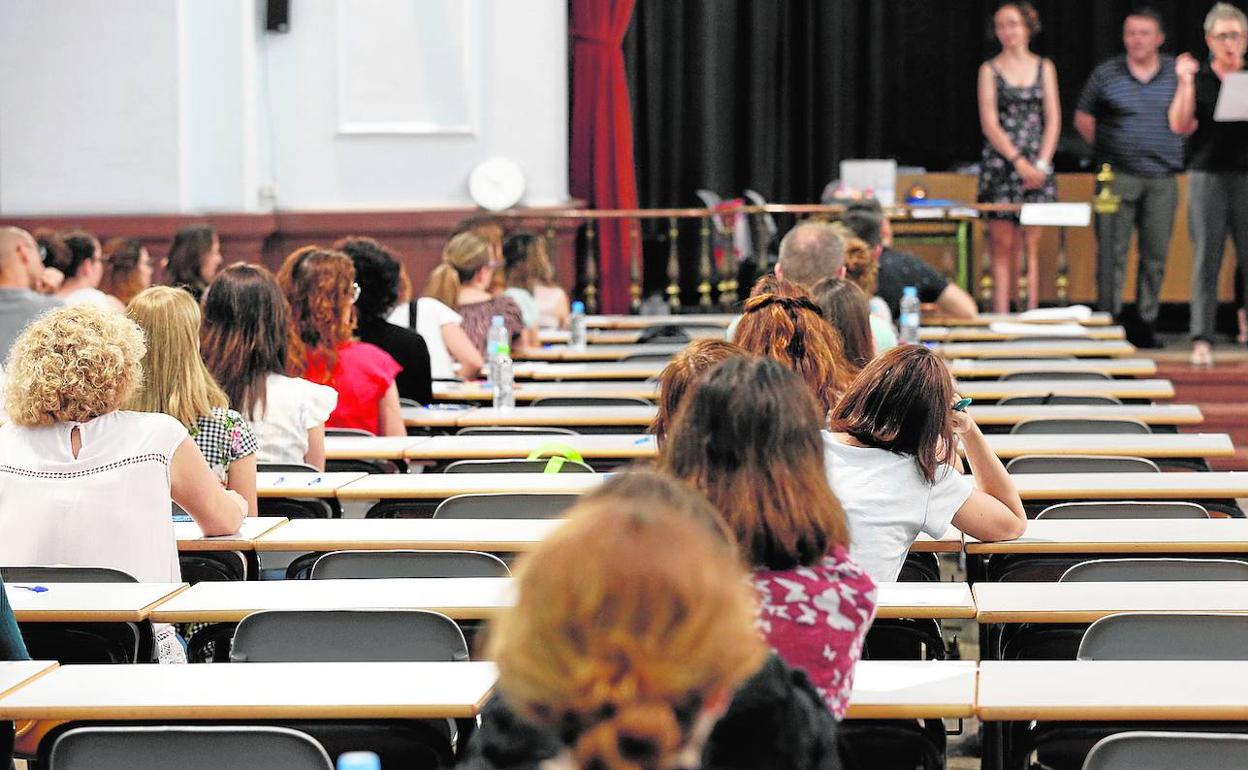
1087	602
991	390
1149	414
87	602
1124	537
913	689
303	484
1195	485
191	538
1038	349
972	368
254	691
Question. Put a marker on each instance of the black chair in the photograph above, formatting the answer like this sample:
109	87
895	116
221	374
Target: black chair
1167	749
514	430
356	565
1050	426
1162	569
1054	374
1057	399
658	358
506	505
589	401
517	466
1080	464
186	748
1125	509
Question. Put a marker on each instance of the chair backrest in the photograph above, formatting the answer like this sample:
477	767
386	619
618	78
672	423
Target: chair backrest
1166	636
348	432
187	748
410	403
1057	399
296	508
408	564
359	465
286	468
1152	570
1080	464
506	505
590	401
663	333
42	574
659	358
320	636
1051	425
1125	509
1148	750
514	466
1054	374
513	430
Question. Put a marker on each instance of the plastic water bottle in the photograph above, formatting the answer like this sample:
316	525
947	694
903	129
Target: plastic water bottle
908	322
578	336
494	338
359	760
504	383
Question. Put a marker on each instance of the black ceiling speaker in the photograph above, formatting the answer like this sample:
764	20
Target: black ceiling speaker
277	16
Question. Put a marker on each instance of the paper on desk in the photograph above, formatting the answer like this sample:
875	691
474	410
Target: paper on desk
1038	330
1233	98
1071	313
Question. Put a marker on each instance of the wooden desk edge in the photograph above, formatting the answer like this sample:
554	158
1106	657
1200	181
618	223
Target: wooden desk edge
1014	546
905	711
242	711
502	546
19	685
227	542
896	611
235	615
1108	713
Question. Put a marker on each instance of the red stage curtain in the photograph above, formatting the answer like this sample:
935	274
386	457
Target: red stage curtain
601	162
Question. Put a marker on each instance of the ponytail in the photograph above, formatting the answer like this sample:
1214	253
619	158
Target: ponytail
443	285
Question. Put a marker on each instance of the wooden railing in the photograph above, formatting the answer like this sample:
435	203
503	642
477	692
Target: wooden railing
716	281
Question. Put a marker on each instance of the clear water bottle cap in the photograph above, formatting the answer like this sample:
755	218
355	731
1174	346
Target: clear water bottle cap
910	291
578	307
496	321
359	760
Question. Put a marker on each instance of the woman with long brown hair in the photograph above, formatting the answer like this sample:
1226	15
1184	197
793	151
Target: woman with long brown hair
891	462
127	268
320	286
786	325
632	646
845	307
683	373
194	259
749	438
244	339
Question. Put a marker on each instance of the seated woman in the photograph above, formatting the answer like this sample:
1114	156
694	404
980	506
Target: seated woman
462	282
82	483
177	383
377	274
442	330
891	461
845	307
194	259
785	324
320	286
543	304
862	267
83	267
244	340
749	438
653	661
127	269
682	373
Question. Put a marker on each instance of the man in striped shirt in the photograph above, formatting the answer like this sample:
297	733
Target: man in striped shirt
1122	114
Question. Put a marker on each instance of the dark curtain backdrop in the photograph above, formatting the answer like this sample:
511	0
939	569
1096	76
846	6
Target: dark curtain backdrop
773	94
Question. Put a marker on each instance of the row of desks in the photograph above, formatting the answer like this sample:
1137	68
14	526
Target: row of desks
992	691
1218	485
1047	316
626	446
1076	346
482	598
926	334
980	390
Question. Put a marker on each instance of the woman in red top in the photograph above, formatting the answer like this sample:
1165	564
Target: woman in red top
320	285
749	438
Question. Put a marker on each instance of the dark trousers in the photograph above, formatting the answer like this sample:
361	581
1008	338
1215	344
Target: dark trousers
1217	206
1147	206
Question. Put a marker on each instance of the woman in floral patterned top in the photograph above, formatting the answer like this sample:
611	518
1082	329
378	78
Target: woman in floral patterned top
177	383
749	438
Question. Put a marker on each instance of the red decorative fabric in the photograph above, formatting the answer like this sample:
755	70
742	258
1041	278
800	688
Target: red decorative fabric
601	162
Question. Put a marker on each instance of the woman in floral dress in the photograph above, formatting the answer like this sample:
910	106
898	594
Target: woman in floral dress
1021	117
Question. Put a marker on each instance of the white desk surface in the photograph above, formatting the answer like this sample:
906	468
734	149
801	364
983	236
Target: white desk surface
1173	445
1098	318
618	336
994	389
490	535
439	486
303	484
368	447
1112	690
599	352
1038	348
984	334
1150	414
1115	367
566	416
1193	485
255	691
609	445
191	538
642	321
1087	602
444	416
231	601
924	600
592	370
913	689
1124	537
87	602
528	391
16	673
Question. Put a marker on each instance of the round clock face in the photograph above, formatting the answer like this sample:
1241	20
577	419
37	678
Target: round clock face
496	184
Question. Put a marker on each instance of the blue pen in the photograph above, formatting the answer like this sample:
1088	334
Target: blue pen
277	482
643	440
314	481
34	589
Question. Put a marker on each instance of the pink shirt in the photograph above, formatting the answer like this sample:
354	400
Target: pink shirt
362	376
816	618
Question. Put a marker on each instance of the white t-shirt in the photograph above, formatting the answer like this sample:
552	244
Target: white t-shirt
529	311
888	502
431	316
89	296
108	507
292	407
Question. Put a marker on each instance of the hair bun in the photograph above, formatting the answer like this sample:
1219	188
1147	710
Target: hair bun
639	736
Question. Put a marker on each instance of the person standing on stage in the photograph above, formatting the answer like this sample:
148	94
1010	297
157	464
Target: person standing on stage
1021	117
1217	164
1122	113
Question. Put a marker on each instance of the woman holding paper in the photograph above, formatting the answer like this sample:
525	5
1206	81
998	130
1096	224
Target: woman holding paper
1217	164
